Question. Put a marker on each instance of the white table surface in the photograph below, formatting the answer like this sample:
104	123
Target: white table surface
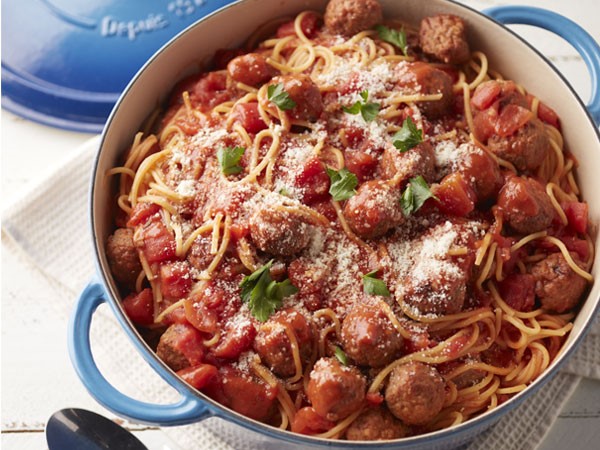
35	364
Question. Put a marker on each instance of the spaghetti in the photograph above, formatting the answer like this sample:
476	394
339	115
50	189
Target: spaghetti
316	221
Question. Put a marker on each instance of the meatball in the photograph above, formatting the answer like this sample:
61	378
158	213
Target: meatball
437	283
369	337
415	393
123	257
483	172
181	346
444	37
422	78
526	148
273	344
251	69
374	209
375	424
556	285
335	390
526	206
279	232
305	94
444	293
348	17
419	160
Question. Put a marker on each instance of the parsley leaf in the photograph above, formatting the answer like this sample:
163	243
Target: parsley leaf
354	109
263	294
394	37
373	285
229	159
368	111
343	184
415	195
280	97
341	356
408	136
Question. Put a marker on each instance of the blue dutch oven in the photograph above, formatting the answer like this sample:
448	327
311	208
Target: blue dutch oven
507	53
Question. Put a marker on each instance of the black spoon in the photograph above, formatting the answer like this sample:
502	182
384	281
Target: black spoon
78	429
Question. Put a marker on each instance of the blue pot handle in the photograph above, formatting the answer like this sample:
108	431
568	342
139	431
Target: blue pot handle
585	44
187	410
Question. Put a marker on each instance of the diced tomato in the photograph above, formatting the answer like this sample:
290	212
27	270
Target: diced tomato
205	90
350	83
239	231
354	136
248	116
484	124
361	164
311	283
203	310
139	307
325	208
309	26
417	342
175	316
573	244
548	115
191	124
456	346
224	55
545	113
307	421
577	214
159	243
518	291
485	94
314	181
511	258
286	29
512	117
456	196
374	398
236	339
141	212
175	280
198	376
579	246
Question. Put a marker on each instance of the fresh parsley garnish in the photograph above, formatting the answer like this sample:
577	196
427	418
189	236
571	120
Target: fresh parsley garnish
229	159
277	94
367	110
415	195
373	285
341	356
283	191
263	294
408	136
394	37
343	184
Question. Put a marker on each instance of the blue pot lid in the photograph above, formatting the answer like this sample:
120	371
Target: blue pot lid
65	62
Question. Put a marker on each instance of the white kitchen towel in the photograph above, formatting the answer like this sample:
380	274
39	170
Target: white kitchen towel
48	227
